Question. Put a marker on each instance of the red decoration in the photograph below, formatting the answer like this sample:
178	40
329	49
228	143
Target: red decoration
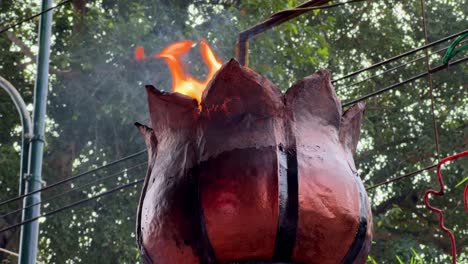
439	211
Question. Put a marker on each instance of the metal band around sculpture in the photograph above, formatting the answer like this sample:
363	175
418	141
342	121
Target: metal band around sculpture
288	204
360	238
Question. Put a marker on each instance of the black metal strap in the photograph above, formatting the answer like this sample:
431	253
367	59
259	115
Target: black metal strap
144	256
288	204
361	231
204	247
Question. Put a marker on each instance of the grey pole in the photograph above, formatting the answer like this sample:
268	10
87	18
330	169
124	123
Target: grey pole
25	124
33	182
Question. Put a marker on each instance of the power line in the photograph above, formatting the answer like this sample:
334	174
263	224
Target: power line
74	177
141	180
33	16
396	67
304	9
393	86
74	189
400	56
80	202
16	254
410	174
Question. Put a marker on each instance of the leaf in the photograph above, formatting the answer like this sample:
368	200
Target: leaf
461	182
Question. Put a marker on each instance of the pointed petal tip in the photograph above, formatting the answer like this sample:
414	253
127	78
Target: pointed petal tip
142	126
173	110
234	82
315	95
362	105
355	109
350	128
324	73
138	124
151	89
176	98
143	129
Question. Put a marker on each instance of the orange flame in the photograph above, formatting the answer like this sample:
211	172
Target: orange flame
139	53
183	82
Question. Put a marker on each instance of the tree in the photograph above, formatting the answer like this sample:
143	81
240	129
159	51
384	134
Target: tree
97	93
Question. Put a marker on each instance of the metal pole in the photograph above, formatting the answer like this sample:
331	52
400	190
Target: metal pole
25	124
30	231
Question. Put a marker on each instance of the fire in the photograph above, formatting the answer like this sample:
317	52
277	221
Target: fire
182	81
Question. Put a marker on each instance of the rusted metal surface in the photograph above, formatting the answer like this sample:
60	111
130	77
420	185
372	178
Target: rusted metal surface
254	176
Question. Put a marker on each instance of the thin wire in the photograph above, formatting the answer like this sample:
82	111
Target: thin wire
9	252
431	90
399	178
74	189
80	202
74	177
396	67
400	56
16	254
393	86
33	16
302	10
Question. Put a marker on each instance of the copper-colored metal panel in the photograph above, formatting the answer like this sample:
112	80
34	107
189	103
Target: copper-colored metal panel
239	198
238	163
329	208
168	218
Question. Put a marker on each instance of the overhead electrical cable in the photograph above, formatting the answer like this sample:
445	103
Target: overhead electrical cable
396	67
393	86
13	25
397	57
52	198
301	10
75	177
80	202
399	178
11	253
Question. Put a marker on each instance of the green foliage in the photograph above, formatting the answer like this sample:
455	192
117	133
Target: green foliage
415	258
461	182
96	94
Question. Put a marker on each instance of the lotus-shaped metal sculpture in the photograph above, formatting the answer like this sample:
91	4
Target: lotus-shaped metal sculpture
253	176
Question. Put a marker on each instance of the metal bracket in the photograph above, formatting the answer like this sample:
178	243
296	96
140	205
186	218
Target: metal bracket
40	138
28	177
